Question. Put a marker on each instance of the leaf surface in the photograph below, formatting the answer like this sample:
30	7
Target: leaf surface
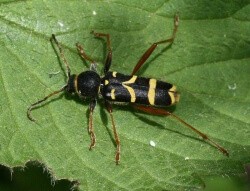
208	62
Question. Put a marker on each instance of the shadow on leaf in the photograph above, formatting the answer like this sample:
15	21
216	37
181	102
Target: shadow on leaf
33	176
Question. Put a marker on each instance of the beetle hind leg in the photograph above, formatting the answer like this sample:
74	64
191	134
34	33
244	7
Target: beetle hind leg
151	49
158	111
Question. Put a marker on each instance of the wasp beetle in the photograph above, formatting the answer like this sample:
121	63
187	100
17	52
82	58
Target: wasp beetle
146	94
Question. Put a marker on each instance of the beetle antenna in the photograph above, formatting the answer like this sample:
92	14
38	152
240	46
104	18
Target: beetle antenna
53	37
32	106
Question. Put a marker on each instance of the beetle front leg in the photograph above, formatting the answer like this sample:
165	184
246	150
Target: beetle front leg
86	57
90	127
109	55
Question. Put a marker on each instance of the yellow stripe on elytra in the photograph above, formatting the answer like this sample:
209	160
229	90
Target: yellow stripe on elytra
173	89
174	96
131	92
151	91
131	80
171	94
113	94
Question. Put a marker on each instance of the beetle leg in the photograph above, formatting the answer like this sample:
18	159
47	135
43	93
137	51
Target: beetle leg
109	55
90	127
157	111
151	49
117	140
86	57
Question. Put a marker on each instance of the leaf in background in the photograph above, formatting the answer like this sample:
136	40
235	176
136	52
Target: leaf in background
209	62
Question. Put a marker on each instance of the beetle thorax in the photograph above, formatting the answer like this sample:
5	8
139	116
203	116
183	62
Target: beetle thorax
86	84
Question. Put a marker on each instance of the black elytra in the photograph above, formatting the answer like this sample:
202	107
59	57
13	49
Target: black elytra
138	90
145	94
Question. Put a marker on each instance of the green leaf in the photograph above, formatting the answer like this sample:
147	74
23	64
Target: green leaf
208	62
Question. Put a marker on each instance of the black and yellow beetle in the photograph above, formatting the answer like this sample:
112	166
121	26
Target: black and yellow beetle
145	94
